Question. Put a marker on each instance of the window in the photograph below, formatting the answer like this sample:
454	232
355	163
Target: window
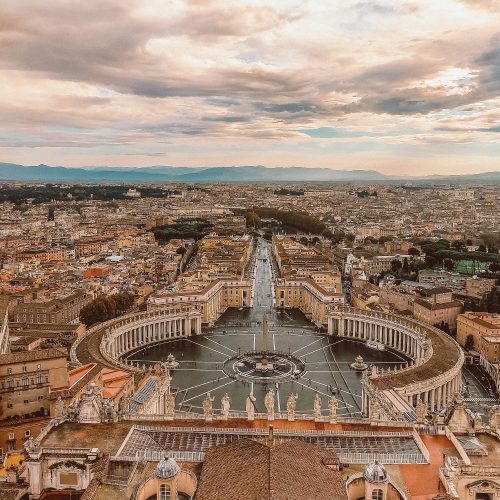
27	433
10	405
9	371
11	436
38	367
26	401
164	492
39	379
10	383
26	381
377	495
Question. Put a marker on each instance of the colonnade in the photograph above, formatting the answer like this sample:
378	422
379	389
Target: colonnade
149	328
435	373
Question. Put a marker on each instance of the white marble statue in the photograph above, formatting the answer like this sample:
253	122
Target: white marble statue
59	407
317	406
208	406
250	406
421	411
291	405
269	404
332	407
169	404
225	404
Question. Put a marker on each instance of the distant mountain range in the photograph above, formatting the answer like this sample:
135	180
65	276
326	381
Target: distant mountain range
163	174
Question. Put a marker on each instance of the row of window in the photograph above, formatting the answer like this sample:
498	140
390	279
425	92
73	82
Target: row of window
25	369
25	381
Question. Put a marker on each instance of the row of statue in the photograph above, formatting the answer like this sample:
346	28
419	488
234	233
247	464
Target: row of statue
269	403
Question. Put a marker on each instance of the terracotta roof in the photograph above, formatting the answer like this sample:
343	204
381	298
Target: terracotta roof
22	357
434	307
248	470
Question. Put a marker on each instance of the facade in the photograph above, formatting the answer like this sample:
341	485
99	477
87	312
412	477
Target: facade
437	306
61	309
212	300
485	330
308	296
26	379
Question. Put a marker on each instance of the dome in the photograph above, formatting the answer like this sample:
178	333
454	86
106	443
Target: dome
375	473
167	468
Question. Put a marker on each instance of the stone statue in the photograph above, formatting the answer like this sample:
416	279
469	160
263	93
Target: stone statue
208	406
59	407
73	411
269	404
169	404
317	407
291	405
495	418
332	407
421	411
225	404
30	444
250	406
167	380
375	413
478	422
125	405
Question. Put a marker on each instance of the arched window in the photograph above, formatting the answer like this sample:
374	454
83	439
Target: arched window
164	492
377	495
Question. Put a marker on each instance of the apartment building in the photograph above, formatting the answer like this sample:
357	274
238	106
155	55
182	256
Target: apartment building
58	309
436	306
485	330
27	378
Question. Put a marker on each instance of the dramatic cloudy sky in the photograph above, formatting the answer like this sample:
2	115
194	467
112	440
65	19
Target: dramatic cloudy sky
401	86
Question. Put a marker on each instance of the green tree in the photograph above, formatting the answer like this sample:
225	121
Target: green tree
414	252
104	308
469	342
449	264
396	265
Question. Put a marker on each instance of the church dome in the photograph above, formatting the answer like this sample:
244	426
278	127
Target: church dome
167	468
375	473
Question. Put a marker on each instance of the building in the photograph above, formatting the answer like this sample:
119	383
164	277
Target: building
26	381
57	309
436	306
485	330
308	296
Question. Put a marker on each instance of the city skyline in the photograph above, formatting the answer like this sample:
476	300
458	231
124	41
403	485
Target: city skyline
404	88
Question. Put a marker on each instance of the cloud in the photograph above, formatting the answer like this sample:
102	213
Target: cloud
115	78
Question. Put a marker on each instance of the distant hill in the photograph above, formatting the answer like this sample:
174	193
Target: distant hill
160	174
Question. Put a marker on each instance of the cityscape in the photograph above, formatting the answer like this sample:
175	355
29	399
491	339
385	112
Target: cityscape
250	250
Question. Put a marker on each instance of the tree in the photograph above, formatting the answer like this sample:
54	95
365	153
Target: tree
449	264
430	260
252	220
469	342
181	250
459	245
349	239
406	267
396	265
105	307
494	267
414	252
443	327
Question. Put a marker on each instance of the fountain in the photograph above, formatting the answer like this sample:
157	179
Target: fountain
359	364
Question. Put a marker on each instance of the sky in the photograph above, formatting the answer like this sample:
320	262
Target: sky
406	87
